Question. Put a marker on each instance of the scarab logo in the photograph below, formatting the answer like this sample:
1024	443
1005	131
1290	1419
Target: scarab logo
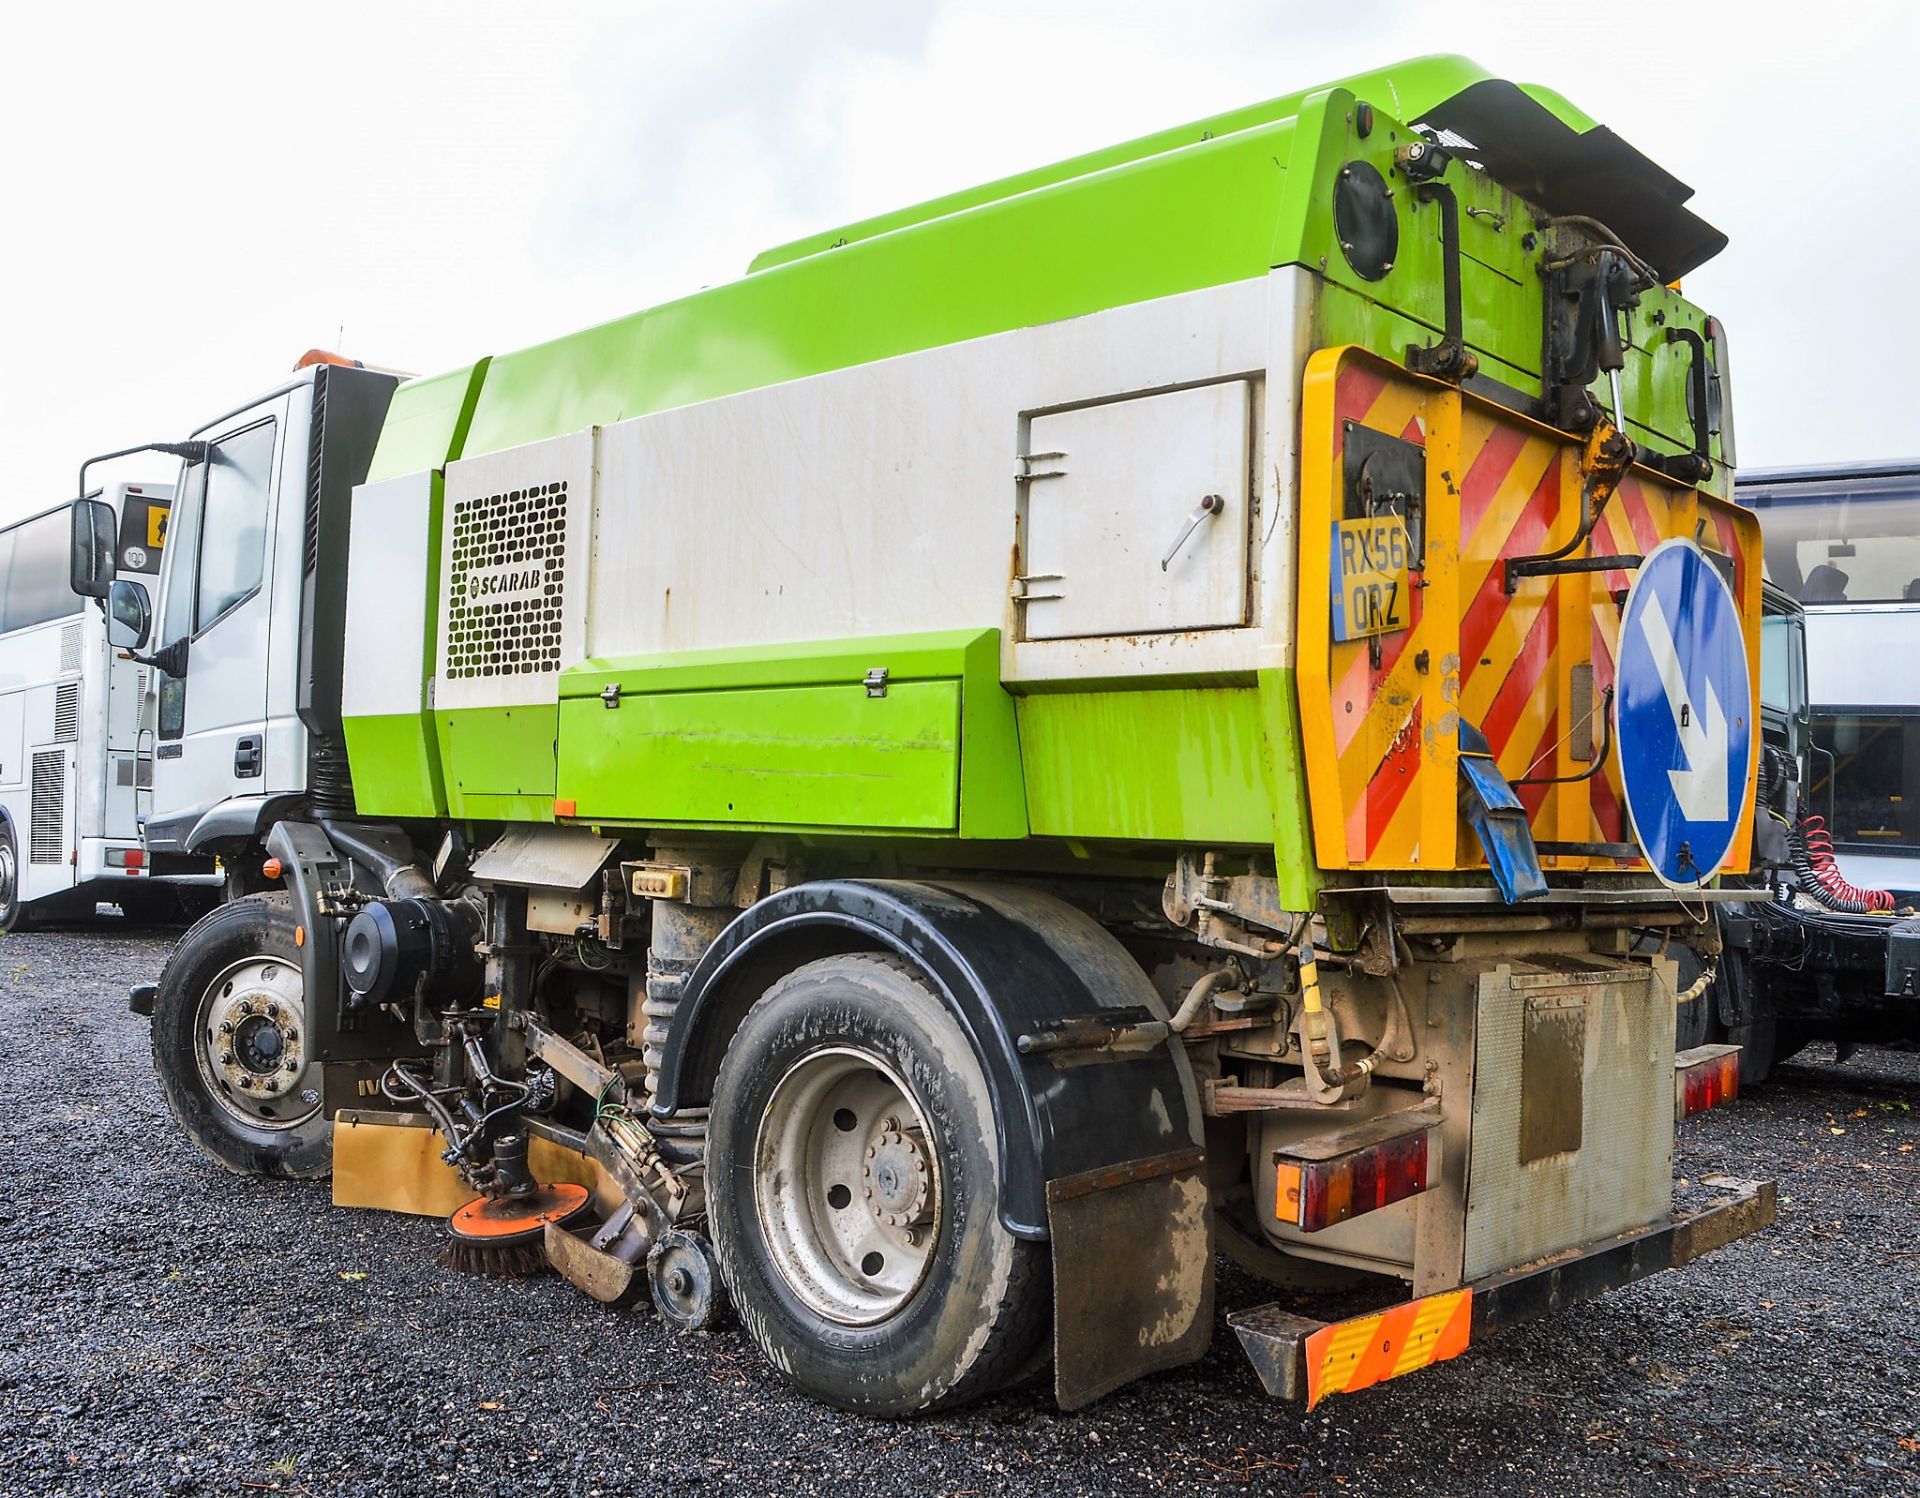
505	584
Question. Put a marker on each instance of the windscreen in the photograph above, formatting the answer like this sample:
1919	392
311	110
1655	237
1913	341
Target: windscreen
1843	541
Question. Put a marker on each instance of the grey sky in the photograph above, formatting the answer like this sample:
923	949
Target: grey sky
194	194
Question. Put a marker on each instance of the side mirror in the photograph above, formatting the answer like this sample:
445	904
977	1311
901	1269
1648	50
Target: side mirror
129	616
90	567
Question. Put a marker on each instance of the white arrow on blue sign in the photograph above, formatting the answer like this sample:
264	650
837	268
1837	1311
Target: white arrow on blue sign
1683	709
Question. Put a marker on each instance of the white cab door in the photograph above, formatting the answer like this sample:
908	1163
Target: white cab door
212	720
1135	516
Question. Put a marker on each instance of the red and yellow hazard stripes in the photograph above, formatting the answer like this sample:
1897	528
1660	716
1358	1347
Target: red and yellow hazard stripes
1380	716
1368	1350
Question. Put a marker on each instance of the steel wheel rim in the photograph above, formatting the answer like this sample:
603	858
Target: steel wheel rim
847	1186
9	874
250	1040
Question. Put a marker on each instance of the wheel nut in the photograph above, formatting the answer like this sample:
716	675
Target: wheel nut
226	1058
292	1066
226	1027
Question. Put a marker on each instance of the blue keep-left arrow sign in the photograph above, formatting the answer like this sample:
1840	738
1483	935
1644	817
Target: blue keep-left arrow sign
1683	710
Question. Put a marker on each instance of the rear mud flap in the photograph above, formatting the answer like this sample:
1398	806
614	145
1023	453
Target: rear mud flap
1132	1273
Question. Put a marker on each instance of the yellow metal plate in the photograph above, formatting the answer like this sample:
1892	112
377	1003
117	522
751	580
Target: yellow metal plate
1371	583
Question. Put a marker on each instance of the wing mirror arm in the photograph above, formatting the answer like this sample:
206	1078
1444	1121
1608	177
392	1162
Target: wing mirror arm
91	565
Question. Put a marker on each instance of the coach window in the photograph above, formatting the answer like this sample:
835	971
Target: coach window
37	584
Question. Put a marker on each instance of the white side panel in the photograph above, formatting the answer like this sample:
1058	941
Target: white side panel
883	498
513	594
1136	515
387	572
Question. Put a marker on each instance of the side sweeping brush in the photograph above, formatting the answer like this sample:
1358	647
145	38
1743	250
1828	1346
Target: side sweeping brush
505	1237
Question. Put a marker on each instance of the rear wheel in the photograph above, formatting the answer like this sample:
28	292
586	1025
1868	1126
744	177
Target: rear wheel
853	1190
231	1043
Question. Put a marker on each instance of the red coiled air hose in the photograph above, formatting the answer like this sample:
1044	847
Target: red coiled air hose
1832	887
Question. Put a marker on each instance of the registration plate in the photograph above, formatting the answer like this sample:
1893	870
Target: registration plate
1371	582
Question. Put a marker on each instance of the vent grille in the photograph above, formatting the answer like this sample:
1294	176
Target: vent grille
70	647
47	840
66	712
316	436
508	576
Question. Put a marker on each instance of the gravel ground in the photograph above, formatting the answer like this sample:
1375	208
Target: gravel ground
173	1329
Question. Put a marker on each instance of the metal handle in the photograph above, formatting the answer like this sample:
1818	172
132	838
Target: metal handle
1211	504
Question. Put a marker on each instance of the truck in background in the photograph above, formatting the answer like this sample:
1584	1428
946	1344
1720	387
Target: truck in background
1834	954
76	763
924	790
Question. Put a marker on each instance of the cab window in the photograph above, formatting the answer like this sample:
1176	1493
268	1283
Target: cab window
233	523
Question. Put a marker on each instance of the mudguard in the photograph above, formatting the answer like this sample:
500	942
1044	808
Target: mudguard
1102	1150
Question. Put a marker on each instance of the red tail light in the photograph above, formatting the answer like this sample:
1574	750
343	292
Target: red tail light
1316	1193
1704	1078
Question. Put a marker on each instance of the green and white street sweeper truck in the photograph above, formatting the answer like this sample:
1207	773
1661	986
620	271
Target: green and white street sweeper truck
1138	710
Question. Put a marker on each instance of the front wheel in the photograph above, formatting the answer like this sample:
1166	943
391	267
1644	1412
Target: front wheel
854	1184
12	918
232	1044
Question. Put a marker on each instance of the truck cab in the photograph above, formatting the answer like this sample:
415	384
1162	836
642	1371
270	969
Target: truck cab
243	637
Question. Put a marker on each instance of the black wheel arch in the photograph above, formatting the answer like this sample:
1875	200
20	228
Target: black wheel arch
1007	961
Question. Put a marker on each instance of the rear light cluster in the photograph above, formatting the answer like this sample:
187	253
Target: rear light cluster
126	858
1317	1193
1704	1078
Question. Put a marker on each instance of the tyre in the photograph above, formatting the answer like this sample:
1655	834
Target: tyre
854	1177
1695	1022
12	917
231	1043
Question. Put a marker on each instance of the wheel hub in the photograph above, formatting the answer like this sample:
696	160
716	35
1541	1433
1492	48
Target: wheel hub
254	1043
8	874
847	1186
898	1180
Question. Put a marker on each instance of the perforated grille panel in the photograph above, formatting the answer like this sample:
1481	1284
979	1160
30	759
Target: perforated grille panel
66	712
507	585
70	647
46	843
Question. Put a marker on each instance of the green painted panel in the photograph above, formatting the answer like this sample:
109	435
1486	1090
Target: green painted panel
1187	764
426	426
799	756
991	788
1412	87
1299	875
495	752
396	772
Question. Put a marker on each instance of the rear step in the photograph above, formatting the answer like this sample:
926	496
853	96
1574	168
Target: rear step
1298	1358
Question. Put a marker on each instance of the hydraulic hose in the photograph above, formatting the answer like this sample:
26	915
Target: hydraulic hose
1700	984
1319	1050
1209	984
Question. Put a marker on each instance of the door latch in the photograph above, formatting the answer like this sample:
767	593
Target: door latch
248	752
1211	504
